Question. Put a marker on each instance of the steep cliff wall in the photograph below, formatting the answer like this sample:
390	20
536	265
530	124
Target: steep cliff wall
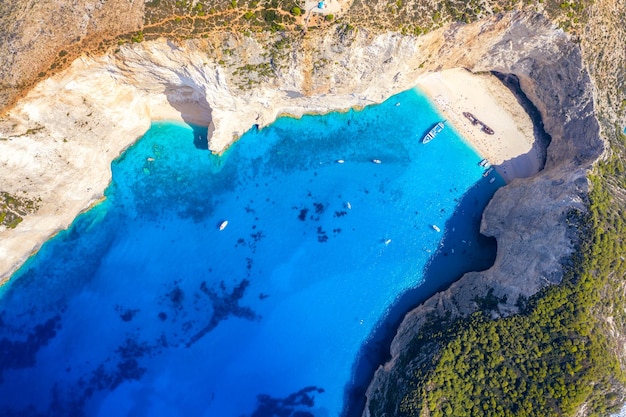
78	121
528	217
57	143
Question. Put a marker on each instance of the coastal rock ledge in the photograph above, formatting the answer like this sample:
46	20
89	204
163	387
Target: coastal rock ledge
528	217
57	143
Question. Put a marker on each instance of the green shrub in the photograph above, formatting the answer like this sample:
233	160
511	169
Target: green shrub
138	37
552	358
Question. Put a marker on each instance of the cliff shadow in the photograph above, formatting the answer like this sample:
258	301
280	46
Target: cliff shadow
195	110
542	138
523	166
462	249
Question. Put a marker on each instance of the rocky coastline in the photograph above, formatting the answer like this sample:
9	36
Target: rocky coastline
76	122
57	143
528	217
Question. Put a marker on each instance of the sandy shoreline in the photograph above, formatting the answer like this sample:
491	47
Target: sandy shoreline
512	149
65	159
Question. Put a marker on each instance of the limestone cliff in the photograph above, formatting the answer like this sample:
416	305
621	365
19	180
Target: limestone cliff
528	217
74	123
57	143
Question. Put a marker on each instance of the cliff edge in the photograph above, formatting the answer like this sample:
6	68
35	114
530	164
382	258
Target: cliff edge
530	218
56	144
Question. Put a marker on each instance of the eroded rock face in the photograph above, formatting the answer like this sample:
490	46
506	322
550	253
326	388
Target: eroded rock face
528	216
58	142
100	105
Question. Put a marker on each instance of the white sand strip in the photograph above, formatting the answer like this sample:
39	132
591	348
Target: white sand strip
82	119
512	149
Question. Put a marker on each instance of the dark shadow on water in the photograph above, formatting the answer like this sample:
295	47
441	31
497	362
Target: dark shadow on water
200	137
472	252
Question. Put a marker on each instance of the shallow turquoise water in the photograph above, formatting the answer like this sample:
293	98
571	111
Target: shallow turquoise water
143	307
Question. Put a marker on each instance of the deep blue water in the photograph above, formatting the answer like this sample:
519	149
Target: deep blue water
143	307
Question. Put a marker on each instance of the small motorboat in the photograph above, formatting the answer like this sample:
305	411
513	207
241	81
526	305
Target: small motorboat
434	131
223	225
436	228
340	161
376	161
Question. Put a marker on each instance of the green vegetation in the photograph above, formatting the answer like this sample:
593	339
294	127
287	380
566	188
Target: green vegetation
253	74
418	17
546	361
553	357
14	208
138	37
183	19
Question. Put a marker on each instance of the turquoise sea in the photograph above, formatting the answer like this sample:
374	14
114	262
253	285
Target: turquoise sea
143	307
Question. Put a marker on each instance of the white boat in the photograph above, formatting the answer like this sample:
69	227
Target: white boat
376	161
484	163
348	205
340	161
492	180
486	173
434	131
388	241
223	225
436	228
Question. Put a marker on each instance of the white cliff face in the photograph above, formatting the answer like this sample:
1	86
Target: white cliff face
58	142
57	146
184	82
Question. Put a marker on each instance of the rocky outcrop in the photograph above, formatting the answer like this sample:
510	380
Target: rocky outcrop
528	217
57	143
73	124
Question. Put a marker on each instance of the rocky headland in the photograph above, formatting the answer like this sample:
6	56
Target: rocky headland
57	142
70	126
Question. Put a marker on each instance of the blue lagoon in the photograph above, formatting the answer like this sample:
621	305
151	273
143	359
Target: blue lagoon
144	307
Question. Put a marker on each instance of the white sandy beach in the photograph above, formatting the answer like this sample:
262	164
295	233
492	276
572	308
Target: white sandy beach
57	144
512	149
